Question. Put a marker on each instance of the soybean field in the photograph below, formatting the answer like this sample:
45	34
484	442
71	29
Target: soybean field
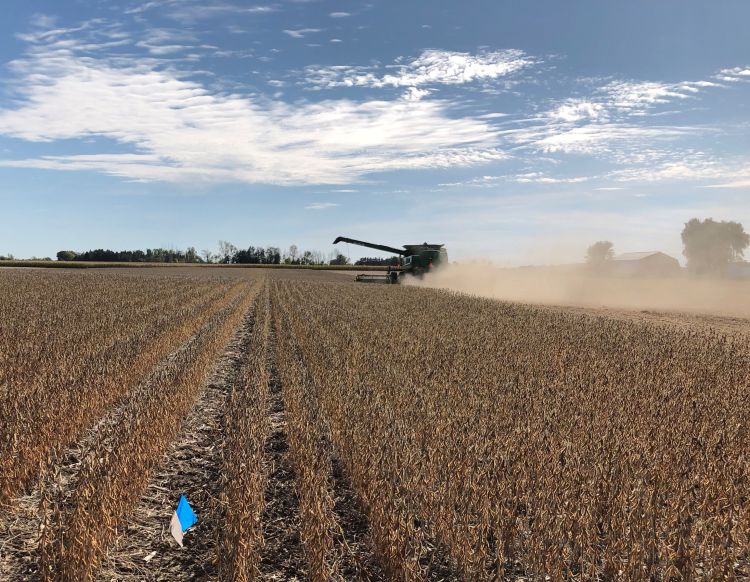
327	430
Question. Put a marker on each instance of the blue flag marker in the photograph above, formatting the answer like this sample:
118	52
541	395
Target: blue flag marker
183	518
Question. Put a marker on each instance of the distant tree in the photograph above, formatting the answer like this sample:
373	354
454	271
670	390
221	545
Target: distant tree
252	256
207	255
191	256
292	254
273	255
226	252
340	260
66	255
710	246
600	254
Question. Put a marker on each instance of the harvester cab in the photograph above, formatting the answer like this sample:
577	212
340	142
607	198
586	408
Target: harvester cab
416	260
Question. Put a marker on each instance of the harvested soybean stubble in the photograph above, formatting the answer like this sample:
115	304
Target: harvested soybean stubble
426	435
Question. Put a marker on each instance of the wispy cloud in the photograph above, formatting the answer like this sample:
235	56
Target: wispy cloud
70	86
161	41
540	178
321	206
734	75
180	131
432	67
602	138
301	32
339	14
745	183
694	167
480	182
191	11
637	97
573	110
523	178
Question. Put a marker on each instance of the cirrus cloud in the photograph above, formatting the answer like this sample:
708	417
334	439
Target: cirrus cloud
432	67
180	131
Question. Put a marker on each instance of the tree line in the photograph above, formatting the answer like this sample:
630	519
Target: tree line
136	256
226	254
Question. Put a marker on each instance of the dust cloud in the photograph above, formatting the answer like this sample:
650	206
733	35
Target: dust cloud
575	286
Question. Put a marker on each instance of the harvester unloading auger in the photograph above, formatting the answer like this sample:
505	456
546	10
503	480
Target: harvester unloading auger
416	260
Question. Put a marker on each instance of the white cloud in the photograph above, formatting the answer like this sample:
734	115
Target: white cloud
161	41
540	178
524	178
430	68
734	74
690	166
734	184
182	132
414	94
576	110
146	6
164	49
339	14
481	181
321	206
46	21
618	101
600	138
187	13
301	32
639	96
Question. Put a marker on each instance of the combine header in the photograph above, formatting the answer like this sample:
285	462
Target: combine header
416	260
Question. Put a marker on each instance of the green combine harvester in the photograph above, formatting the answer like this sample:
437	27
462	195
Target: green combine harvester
416	260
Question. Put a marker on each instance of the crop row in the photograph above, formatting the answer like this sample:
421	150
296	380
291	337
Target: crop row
243	478
309	454
72	346
120	461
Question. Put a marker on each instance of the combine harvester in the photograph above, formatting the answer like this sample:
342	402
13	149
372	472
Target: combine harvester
416	260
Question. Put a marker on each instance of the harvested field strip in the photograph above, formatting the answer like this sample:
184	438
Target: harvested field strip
243	479
311	461
530	441
43	419
115	473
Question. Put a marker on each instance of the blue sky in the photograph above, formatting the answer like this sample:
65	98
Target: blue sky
516	131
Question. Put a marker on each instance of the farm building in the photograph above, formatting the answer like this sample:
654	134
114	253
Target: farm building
648	264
